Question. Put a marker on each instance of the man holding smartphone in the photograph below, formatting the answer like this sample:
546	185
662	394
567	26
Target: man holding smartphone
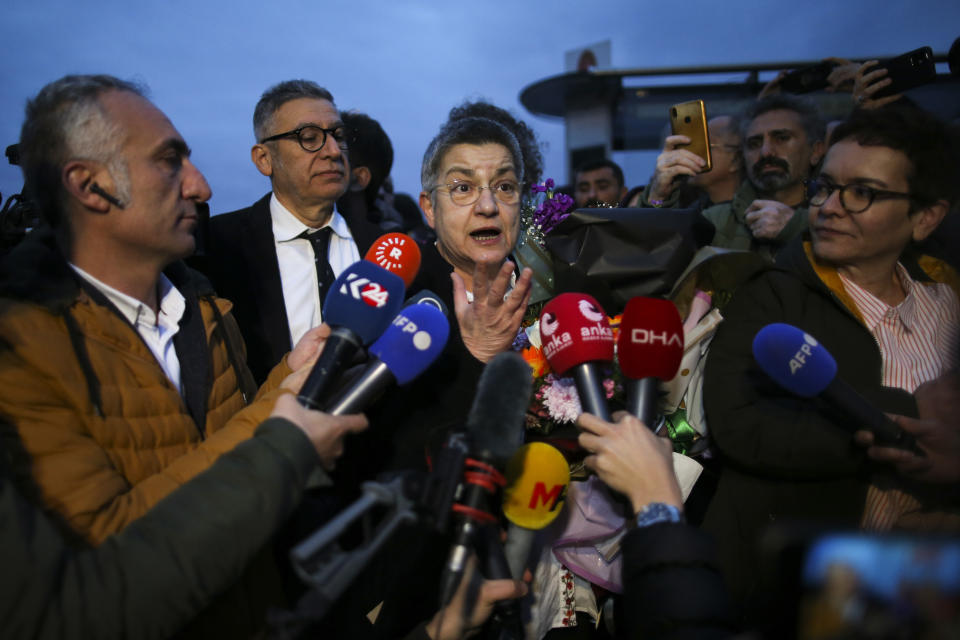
717	185
782	141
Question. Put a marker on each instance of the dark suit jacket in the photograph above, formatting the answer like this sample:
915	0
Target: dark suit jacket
241	260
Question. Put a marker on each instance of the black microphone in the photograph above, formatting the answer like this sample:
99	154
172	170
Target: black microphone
494	431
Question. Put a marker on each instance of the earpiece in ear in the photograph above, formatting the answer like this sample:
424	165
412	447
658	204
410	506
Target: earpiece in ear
95	188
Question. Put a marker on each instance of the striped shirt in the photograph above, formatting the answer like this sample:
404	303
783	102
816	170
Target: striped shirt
918	342
918	338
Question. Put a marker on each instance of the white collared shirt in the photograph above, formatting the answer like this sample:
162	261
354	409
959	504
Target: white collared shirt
918	337
156	329
298	271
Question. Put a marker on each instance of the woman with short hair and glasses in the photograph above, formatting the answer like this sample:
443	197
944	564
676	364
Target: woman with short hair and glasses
888	316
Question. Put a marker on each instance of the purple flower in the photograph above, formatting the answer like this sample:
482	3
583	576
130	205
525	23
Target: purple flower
521	341
549	184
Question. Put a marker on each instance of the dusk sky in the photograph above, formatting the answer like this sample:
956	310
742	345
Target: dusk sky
407	63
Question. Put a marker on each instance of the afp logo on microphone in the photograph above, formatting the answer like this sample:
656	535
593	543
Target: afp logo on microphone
420	339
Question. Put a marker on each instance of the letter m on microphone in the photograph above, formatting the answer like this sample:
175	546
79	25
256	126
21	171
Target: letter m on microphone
546	498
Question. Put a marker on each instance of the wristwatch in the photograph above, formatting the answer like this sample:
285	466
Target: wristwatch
657	512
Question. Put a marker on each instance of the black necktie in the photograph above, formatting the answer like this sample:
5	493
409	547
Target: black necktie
320	240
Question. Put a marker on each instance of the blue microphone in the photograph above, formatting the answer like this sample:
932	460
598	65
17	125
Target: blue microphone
800	364
412	342
359	307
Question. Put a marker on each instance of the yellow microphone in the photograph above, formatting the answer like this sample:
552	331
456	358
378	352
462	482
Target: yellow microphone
537	478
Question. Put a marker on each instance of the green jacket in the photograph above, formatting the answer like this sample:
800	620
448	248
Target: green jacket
732	231
157	574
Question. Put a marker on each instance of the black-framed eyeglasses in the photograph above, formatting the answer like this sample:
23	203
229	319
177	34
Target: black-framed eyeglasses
463	192
312	138
855	198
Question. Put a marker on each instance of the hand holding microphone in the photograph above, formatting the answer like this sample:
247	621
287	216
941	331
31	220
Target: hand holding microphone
360	305
631	460
412	342
494	431
803	366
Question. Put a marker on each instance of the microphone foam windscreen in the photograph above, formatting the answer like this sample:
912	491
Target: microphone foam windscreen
397	253
495	424
651	339
537	478
574	329
794	359
412	342
364	298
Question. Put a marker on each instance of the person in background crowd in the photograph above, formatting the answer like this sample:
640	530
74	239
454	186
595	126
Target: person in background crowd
599	183
371	158
277	259
678	168
782	140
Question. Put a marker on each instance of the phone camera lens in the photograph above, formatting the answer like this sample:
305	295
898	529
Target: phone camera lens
687	119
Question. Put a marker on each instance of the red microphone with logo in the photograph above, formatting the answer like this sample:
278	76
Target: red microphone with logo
650	348
397	253
576	335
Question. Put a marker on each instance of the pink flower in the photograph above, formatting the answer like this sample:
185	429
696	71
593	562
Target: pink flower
561	399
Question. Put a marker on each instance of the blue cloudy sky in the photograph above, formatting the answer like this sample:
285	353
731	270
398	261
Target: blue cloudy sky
406	63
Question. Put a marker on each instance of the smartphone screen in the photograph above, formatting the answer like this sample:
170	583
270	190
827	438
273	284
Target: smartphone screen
690	119
858	585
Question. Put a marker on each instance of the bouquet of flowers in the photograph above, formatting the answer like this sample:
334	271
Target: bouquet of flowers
541	212
555	399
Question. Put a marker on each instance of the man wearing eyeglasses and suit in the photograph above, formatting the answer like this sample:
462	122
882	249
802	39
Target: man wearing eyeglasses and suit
276	259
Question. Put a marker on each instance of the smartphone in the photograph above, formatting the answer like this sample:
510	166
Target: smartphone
851	584
690	119
806	79
909	70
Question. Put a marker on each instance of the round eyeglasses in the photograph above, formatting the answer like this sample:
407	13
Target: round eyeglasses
466	193
312	138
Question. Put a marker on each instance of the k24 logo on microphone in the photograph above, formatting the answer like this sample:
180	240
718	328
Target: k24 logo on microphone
364	289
